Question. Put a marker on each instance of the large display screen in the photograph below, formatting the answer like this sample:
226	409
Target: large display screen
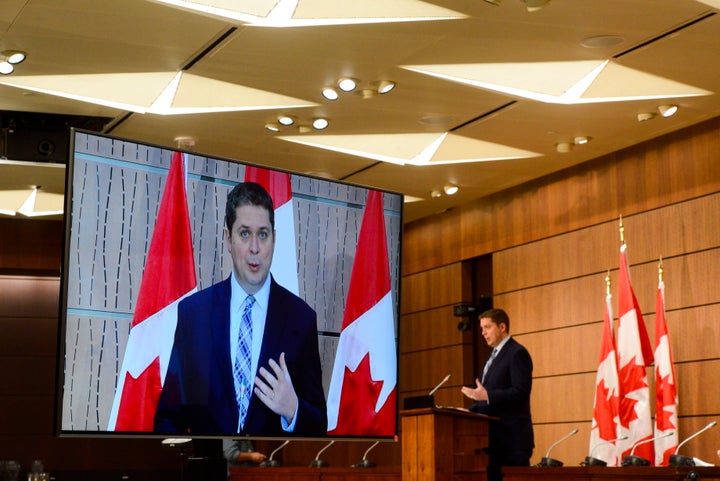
157	337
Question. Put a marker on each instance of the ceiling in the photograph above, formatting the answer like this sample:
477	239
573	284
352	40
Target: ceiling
483	95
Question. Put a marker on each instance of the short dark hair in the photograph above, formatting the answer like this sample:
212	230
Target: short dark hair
248	193
498	316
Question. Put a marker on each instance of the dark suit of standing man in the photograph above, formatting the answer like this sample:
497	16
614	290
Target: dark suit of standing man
504	392
199	395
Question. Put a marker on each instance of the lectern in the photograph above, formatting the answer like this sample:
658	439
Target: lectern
440	444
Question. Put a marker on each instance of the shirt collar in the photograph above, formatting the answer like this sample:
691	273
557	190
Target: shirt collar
238	294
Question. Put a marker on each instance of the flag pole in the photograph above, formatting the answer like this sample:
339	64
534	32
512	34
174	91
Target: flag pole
622	231
607	283
660	270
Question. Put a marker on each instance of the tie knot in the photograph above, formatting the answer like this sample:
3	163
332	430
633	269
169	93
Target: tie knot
248	303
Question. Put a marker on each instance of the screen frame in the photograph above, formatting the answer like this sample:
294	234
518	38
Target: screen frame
62	351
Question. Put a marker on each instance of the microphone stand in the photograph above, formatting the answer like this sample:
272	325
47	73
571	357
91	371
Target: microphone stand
547	461
319	463
592	461
365	462
680	460
273	463
632	460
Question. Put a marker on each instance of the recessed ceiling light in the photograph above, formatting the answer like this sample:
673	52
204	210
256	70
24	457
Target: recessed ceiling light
643	116
286	120
272	127
385	86
13	56
435	194
6	67
581	140
451	189
667	110
330	93
347	84
320	123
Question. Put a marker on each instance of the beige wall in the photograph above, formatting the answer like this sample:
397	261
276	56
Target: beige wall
552	243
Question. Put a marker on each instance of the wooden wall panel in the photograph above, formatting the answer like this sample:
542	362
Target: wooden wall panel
595	192
443	286
552	306
668	232
436	327
561	399
33	246
698	388
570	350
421	370
694	333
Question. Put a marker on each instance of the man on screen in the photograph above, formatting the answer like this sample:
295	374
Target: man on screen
245	356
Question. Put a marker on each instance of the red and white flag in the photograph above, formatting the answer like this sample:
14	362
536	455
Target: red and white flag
168	277
666	399
606	423
634	354
363	388
284	265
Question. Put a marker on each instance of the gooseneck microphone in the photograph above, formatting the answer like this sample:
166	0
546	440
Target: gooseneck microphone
270	462
680	460
590	460
424	401
547	461
445	379
319	463
365	462
632	460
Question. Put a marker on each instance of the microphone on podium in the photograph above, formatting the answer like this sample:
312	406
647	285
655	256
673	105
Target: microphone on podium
593	461
632	460
680	460
425	401
365	462
547	461
270	462
319	463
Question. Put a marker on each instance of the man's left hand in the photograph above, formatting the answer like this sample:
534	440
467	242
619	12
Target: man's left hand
275	389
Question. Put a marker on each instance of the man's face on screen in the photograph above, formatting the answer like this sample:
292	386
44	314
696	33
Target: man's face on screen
251	243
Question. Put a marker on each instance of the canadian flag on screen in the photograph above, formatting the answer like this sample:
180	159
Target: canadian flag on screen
284	265
363	388
168	277
666	399
634	354
607	403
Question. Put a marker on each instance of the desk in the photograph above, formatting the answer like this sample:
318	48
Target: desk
615	473
303	473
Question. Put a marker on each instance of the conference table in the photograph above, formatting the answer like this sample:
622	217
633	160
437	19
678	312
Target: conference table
617	473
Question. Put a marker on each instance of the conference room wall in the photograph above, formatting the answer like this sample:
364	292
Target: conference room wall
552	243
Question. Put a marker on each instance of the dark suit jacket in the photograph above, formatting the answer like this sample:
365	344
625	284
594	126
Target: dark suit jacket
198	396
508	383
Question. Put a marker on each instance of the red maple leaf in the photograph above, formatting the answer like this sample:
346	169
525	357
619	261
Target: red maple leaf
632	378
356	413
605	410
665	394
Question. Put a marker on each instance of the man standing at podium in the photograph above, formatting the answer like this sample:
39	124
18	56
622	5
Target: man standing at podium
504	392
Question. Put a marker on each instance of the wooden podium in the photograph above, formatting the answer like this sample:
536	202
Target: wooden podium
444	444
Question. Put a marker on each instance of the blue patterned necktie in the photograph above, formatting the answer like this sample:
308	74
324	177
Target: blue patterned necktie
487	365
243	361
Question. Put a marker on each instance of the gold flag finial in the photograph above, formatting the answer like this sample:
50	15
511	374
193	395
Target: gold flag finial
607	283
622	231
660	270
